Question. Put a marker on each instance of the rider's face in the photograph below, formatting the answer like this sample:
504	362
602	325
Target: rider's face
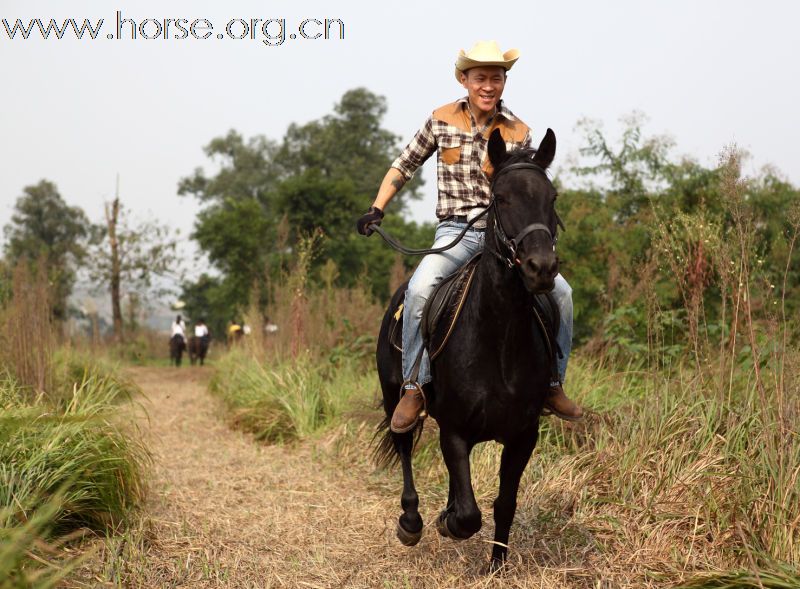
485	86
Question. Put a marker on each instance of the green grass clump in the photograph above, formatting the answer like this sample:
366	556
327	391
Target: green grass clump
67	463
83	447
18	569
289	399
72	367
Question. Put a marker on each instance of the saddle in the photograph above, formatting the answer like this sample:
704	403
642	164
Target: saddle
443	309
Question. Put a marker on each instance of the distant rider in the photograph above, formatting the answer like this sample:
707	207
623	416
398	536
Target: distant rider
179	328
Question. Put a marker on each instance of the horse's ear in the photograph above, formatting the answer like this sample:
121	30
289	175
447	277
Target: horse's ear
547	150
497	148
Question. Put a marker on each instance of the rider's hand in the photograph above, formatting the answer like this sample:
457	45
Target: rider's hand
372	217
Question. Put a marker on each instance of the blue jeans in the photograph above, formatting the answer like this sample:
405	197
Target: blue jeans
434	268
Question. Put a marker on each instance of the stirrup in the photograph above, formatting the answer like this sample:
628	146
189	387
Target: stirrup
424	413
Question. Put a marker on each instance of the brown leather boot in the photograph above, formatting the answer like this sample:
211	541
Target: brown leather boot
408	411
562	406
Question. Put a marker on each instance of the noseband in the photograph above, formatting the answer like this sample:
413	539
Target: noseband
511	245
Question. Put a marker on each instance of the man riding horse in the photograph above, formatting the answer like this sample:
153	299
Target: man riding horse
459	133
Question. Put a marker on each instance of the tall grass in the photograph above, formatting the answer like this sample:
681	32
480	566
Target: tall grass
288	399
25	560
81	447
687	467
68	462
26	334
285	386
315	316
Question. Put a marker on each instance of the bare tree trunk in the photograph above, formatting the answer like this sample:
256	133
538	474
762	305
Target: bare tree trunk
112	216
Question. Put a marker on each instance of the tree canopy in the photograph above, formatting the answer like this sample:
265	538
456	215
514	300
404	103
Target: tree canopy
639	199
265	195
44	229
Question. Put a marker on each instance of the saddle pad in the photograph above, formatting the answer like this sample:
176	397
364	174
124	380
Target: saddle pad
396	327
444	306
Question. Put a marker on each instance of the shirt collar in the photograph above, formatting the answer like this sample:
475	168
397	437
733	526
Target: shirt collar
501	108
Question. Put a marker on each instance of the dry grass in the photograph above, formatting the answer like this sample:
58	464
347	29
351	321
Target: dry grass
227	512
26	334
614	502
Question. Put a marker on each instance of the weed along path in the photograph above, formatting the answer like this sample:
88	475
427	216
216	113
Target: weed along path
227	511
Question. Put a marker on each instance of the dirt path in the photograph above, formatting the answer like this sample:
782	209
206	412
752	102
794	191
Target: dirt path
226	511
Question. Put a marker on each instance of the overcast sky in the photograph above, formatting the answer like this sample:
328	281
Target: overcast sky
77	112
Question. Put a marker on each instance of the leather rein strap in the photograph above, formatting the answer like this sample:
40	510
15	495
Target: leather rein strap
510	244
434	250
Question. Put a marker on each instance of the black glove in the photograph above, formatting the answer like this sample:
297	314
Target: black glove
373	216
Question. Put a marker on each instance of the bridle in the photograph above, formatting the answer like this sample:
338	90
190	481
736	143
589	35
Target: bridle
501	238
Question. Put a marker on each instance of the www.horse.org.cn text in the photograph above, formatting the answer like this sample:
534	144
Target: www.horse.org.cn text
272	32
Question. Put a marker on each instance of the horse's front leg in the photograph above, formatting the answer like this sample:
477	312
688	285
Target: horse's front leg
515	458
462	518
409	526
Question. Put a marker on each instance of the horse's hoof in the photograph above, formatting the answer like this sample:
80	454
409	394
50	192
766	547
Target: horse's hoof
497	566
441	526
407	538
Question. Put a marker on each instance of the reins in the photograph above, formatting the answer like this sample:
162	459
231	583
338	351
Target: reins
510	244
422	252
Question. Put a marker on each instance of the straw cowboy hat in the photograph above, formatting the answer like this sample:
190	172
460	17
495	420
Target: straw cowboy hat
485	53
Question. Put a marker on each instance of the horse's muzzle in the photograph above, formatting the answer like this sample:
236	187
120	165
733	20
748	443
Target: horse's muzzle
539	272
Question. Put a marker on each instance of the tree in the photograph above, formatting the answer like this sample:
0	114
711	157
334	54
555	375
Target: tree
638	193
238	228
348	145
331	170
323	174
45	228
130	258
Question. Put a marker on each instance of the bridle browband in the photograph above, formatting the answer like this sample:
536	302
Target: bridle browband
511	245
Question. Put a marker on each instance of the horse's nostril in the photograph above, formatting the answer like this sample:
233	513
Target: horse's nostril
543	268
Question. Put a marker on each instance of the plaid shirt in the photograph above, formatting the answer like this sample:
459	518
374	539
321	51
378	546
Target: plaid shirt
464	170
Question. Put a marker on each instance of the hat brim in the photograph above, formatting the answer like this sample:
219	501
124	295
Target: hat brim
463	63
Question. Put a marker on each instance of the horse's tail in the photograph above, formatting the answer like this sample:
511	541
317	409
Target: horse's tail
388	446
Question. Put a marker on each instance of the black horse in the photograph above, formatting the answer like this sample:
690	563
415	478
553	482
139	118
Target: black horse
490	381
198	348
177	344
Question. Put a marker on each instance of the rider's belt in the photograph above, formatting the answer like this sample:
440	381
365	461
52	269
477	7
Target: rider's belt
460	219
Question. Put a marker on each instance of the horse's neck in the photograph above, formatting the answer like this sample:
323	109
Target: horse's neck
498	288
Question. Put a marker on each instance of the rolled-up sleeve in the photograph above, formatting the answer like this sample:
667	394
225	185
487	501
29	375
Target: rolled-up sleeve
417	151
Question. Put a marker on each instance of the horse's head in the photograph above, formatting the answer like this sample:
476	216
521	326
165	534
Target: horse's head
522	226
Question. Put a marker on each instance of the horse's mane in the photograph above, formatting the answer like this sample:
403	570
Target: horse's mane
521	154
